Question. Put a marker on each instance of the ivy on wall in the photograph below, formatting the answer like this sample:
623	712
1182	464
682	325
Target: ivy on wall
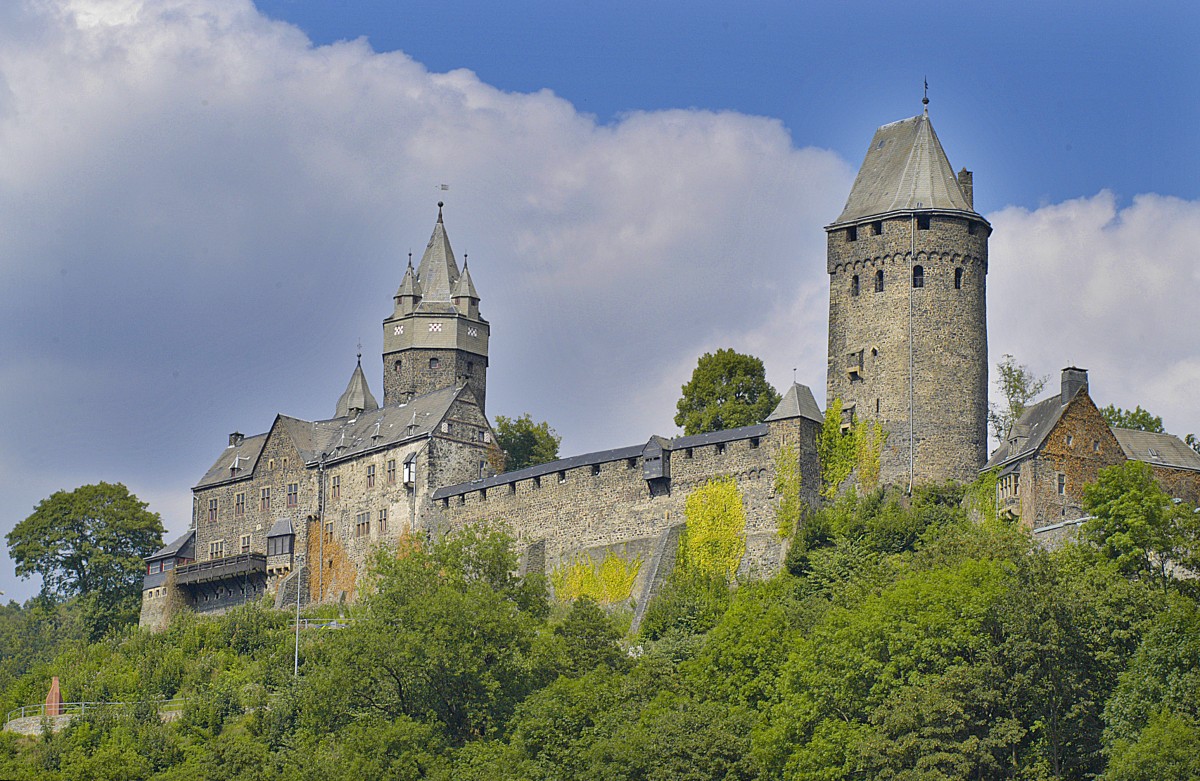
607	583
843	451
787	490
714	539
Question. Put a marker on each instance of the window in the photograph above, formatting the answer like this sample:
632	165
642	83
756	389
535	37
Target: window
562	477
216	549
382	522
293	494
877	228
854	285
362	524
631	463
958	275
923	222
335	487
1062	484
391	471
879	281
689	453
239	505
918	276
482	469
1095	446
370	476
720	448
595	469
245	543
852	233
396	366
434	363
1070	441
264	499
753	443
270	463
279	546
212	509
410	470
329	530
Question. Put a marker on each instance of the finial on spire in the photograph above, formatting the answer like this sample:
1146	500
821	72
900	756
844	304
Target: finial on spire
410	258
440	205
360	351
925	98
464	261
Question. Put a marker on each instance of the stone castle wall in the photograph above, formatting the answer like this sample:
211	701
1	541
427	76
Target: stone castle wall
869	340
590	507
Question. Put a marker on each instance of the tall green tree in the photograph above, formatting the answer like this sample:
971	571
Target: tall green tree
1136	418
727	390
1019	386
90	542
526	443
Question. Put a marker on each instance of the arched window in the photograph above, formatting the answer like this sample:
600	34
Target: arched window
918	276
958	276
854	285
879	281
396	365
434	363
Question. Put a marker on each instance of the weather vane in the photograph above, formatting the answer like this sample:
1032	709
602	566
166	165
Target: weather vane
925	98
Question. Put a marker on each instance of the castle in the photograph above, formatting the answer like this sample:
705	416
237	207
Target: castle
294	512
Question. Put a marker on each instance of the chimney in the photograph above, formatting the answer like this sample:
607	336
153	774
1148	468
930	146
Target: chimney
236	439
1073	379
966	183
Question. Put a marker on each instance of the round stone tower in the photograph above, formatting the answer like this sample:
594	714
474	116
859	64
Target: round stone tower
907	262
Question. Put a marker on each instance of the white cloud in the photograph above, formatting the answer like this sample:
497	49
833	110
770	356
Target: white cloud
1112	289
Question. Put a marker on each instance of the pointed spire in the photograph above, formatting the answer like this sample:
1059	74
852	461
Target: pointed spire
438	270
905	169
465	288
409	286
357	397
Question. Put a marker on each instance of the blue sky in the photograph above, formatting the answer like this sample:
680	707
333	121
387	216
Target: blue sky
205	205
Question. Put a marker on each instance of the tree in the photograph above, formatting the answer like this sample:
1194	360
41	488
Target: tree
1019	386
88	542
727	390
1193	442
1135	523
1136	418
526	443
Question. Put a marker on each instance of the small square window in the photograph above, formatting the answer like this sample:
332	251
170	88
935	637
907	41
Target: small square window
753	443
852	233
595	469
689	453
877	228
923	222
720	448
562	477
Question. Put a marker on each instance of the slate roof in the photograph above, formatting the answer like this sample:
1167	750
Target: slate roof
409	286
602	457
281	528
172	549
357	395
1030	431
464	286
438	271
244	456
905	169
1157	449
798	402
345	437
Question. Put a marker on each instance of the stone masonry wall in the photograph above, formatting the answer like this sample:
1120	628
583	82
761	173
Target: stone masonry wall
949	341
409	373
592	509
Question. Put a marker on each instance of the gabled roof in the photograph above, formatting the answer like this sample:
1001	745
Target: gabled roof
1157	449
181	546
1030	431
357	395
438	271
798	402
345	437
905	169
244	456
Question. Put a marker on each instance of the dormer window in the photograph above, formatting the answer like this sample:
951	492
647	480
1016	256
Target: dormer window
410	470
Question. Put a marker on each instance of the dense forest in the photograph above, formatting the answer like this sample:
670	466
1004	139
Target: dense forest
909	637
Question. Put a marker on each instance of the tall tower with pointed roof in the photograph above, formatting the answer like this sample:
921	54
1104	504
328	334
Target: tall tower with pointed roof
907	263
435	338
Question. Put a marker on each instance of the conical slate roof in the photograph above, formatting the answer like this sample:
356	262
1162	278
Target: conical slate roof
798	402
357	396
438	271
409	286
465	287
905	169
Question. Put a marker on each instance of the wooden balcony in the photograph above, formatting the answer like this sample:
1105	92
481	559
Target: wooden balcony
227	568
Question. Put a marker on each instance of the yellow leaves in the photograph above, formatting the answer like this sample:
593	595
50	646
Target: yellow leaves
787	489
608	583
714	540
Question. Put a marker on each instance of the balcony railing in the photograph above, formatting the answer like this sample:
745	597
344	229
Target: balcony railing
226	568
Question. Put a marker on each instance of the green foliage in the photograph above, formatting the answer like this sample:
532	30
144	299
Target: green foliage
727	390
90	543
1018	386
851	451
1168	748
1137	525
979	497
789	508
610	582
690	603
590	637
526	443
1136	418
714	540
869	439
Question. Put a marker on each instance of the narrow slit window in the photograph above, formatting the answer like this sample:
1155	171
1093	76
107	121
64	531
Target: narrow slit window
958	277
918	276
879	281
854	285
852	233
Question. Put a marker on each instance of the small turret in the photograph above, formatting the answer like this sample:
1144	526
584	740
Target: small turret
466	300
408	296
357	398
